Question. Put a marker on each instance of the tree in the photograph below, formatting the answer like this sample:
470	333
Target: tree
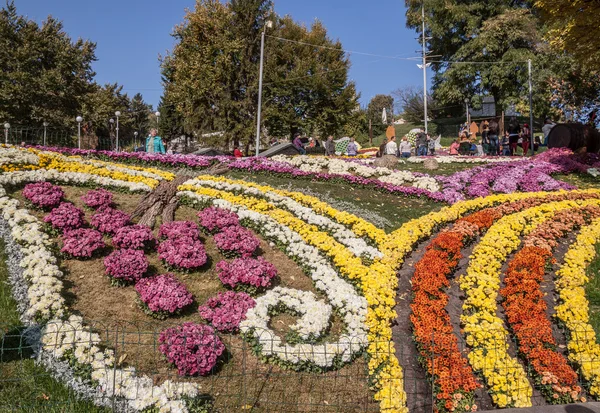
375	111
140	113
573	26
44	75
213	74
357	125
410	100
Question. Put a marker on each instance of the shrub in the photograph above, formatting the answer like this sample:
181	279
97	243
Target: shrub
43	194
100	198
214	219
250	274
65	217
227	310
163	295
178	229
137	237
126	266
82	243
236	241
183	253
109	220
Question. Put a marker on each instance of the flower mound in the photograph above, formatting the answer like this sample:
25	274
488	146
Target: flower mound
82	243
136	237
126	265
163	295
43	194
242	272
227	310
193	348
179	229
215	220
109	220
98	199
183	253
236	241
65	217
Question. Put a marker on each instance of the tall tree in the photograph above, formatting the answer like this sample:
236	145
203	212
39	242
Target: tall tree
410	100
44	75
375	111
140	112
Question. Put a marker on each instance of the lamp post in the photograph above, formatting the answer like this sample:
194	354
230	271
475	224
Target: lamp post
268	25
157	113
6	128
45	126
467	105
111	123
117	114
79	119
135	135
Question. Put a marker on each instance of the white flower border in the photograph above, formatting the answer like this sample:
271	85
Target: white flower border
351	306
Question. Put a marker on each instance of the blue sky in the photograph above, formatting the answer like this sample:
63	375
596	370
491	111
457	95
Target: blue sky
130	35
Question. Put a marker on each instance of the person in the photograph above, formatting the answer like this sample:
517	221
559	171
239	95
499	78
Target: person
329	146
513	135
506	144
465	145
485	135
352	148
298	144
154	143
237	153
526	139
311	142
536	143
431	145
422	144
405	147
392	147
493	130
454	147
548	125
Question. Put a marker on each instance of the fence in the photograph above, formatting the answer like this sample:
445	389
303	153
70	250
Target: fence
241	381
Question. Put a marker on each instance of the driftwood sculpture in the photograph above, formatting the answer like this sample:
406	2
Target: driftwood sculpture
575	136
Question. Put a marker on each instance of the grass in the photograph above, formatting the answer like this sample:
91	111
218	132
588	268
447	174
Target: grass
592	291
24	386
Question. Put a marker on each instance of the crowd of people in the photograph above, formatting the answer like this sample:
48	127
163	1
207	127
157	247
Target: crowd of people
424	146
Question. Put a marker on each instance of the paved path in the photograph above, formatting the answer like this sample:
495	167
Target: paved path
569	408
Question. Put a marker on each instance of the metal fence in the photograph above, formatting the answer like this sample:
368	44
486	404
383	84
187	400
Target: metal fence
241	380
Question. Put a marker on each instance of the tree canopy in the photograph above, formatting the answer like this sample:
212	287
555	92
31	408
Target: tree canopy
375	110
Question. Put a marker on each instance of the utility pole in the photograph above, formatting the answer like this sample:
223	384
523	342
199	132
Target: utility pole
530	109
424	66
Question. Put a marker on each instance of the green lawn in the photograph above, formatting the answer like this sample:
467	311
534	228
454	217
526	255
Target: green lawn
25	387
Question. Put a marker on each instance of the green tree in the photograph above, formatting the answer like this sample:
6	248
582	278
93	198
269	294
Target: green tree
357	125
375	111
44	75
140	113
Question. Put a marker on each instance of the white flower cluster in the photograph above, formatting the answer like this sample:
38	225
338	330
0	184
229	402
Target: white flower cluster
14	155
77	178
314	314
317	164
345	236
351	306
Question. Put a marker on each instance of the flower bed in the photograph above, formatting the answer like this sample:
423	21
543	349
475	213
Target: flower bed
82	243
235	241
43	195
65	217
126	266
137	237
162	296
183	253
214	220
227	310
109	220
247	274
98	199
179	229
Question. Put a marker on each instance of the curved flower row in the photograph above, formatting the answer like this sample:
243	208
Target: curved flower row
573	311
345	236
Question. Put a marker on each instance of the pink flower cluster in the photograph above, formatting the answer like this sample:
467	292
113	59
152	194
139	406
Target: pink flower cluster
65	217
99	198
241	272
179	229
43	194
227	310
137	237
163	294
109	220
235	241
183	253
193	348
216	219
82	243
126	265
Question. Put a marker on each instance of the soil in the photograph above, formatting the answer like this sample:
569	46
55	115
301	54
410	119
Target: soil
241	380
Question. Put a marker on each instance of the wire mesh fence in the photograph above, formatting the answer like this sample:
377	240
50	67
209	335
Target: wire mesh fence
242	379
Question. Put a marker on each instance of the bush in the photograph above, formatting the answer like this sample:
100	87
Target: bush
227	310
126	266
82	243
241	273
137	237
183	253
178	229
100	198
109	220
163	296
65	217
214	220
236	241
43	194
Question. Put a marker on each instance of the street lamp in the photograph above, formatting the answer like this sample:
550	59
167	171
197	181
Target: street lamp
6	128
117	114
45	126
268	25
467	105
157	113
79	119
135	135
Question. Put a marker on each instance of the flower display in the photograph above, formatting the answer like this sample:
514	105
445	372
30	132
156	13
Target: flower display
193	348
43	194
109	220
82	243
179	229
242	273
137	237
65	217
97	199
227	310
163	295
183	253
126	265
214	220
235	241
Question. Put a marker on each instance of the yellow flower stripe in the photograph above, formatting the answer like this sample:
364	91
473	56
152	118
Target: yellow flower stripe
52	162
359	226
376	281
12	167
574	308
167	176
485	332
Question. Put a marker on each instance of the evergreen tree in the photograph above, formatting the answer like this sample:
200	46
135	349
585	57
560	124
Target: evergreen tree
140	113
375	111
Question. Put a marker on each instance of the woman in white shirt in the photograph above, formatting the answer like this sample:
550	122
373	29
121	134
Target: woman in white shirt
392	147
405	148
